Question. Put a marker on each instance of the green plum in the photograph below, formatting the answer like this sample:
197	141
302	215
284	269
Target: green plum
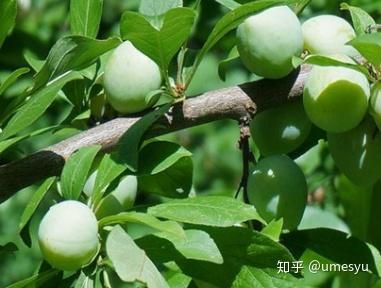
278	189
328	34
118	200
282	129
269	40
128	78
375	104
68	235
357	152
336	98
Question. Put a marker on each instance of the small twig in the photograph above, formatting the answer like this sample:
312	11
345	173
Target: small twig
246	156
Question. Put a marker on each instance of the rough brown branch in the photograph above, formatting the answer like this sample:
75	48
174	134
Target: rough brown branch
229	103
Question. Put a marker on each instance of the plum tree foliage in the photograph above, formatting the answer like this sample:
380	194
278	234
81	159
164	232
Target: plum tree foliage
268	41
68	235
329	35
289	124
326	116
129	77
277	187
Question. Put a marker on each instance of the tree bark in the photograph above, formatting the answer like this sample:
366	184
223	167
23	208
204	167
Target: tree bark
229	103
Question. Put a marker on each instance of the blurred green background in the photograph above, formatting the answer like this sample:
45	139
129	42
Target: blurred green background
217	159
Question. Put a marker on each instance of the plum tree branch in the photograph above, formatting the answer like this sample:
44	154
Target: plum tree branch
228	103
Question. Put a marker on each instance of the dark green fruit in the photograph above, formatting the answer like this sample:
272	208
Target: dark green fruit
357	152
278	189
280	130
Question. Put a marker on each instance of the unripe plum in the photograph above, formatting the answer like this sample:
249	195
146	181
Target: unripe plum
268	41
375	104
120	199
282	129
328	34
278	189
336	98
68	235
128	77
357	152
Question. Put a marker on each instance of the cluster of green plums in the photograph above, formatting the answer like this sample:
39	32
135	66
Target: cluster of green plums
68	233
336	99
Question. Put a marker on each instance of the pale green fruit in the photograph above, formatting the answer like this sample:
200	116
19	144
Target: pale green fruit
118	200
375	104
268	41
128	78
68	235
282	129
336	98
328	34
357	152
278	189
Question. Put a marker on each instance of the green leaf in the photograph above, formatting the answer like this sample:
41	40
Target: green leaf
346	248
238	247
217	211
72	53
4	145
327	61
174	182
35	201
360	18
273	229
109	169
178	280
85	17
154	8
88	281
8	12
369	46
160	45
130	142
300	6
230	4
12	78
38	280
170	227
158	156
130	262
33	61
36	106
266	278
223	66
76	170
197	245
229	22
